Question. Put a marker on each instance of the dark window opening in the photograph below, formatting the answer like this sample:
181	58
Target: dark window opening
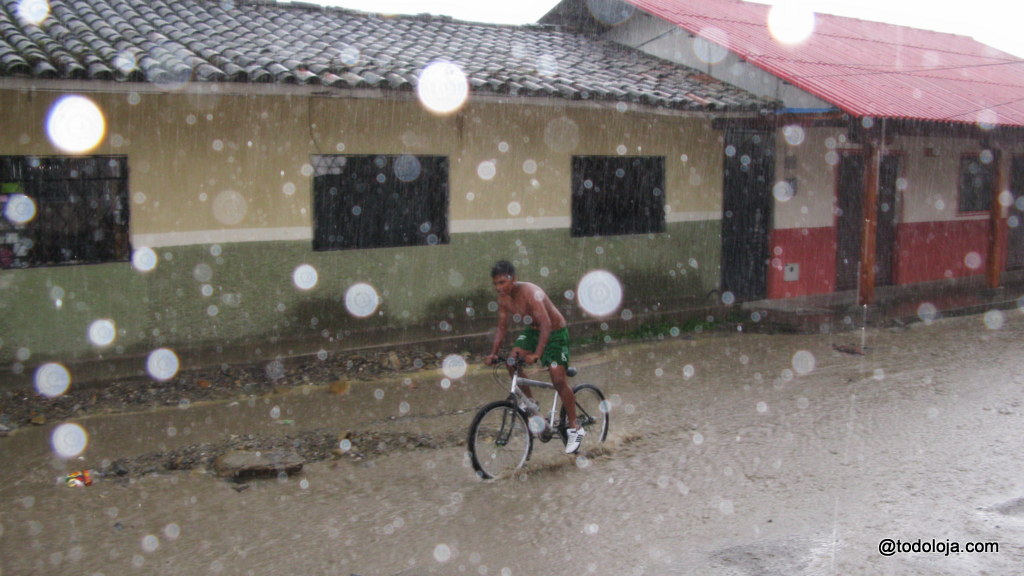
63	210
615	195
977	180
379	201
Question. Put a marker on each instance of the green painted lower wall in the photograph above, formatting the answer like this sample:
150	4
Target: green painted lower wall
229	294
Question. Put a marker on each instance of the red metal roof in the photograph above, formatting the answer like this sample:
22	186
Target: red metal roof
867	68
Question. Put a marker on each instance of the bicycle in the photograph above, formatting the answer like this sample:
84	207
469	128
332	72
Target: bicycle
502	433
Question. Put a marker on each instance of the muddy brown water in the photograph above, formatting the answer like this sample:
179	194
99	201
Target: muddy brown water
729	455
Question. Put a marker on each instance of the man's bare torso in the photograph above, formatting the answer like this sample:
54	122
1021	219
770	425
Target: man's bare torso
527	304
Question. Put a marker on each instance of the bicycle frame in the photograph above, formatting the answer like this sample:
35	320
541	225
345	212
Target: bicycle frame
516	391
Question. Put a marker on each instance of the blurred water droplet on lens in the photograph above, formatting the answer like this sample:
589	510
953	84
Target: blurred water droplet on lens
33	11
75	124
487	170
443	87
162	364
790	23
710	45
20	209
994	319
102	332
361	300
69	440
442	553
52	379
794	135
305	277
562	135
804	362
230	207
407	168
599	293
454	366
610	12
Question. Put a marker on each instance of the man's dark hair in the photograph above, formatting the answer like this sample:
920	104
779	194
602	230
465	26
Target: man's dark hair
503	268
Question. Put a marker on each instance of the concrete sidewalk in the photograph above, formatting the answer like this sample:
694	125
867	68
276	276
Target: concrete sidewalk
824	313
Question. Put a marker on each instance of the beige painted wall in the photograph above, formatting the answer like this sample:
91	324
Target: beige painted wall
221	184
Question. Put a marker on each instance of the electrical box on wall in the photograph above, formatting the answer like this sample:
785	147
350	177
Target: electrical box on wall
791	273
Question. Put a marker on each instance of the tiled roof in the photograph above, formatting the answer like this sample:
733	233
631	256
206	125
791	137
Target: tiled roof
867	68
245	41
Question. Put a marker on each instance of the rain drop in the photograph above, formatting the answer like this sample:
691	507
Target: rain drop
443	87
994	319
305	277
442	553
361	300
33	11
52	379
230	207
102	332
454	366
75	124
69	440
803	362
487	170
162	364
599	293
20	209
794	135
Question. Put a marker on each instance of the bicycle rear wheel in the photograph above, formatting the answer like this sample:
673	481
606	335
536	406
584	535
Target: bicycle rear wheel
591	413
499	439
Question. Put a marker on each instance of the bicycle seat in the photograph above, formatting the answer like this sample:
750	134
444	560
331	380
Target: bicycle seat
571	371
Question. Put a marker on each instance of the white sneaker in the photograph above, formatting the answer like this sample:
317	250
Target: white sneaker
575	438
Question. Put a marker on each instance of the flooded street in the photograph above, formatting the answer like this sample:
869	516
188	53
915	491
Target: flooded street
728	454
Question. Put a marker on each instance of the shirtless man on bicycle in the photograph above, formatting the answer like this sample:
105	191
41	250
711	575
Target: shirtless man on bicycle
545	338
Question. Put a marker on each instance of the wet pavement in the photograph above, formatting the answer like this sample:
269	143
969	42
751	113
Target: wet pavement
730	454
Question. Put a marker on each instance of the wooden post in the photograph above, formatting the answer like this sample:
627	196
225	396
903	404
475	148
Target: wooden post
869	236
997	223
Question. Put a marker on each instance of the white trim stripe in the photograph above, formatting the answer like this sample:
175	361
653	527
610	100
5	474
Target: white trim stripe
222	236
294	233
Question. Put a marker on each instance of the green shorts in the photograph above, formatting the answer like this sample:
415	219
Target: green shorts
555	353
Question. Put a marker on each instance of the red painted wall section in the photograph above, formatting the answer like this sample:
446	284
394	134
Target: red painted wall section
814	249
938	250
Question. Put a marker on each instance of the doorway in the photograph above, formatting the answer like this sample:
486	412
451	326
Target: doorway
1015	222
850	219
746	212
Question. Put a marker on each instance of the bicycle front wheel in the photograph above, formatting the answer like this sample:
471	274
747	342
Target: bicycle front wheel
591	413
499	440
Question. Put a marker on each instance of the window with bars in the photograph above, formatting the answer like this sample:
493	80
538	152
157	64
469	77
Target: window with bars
614	195
63	210
379	201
